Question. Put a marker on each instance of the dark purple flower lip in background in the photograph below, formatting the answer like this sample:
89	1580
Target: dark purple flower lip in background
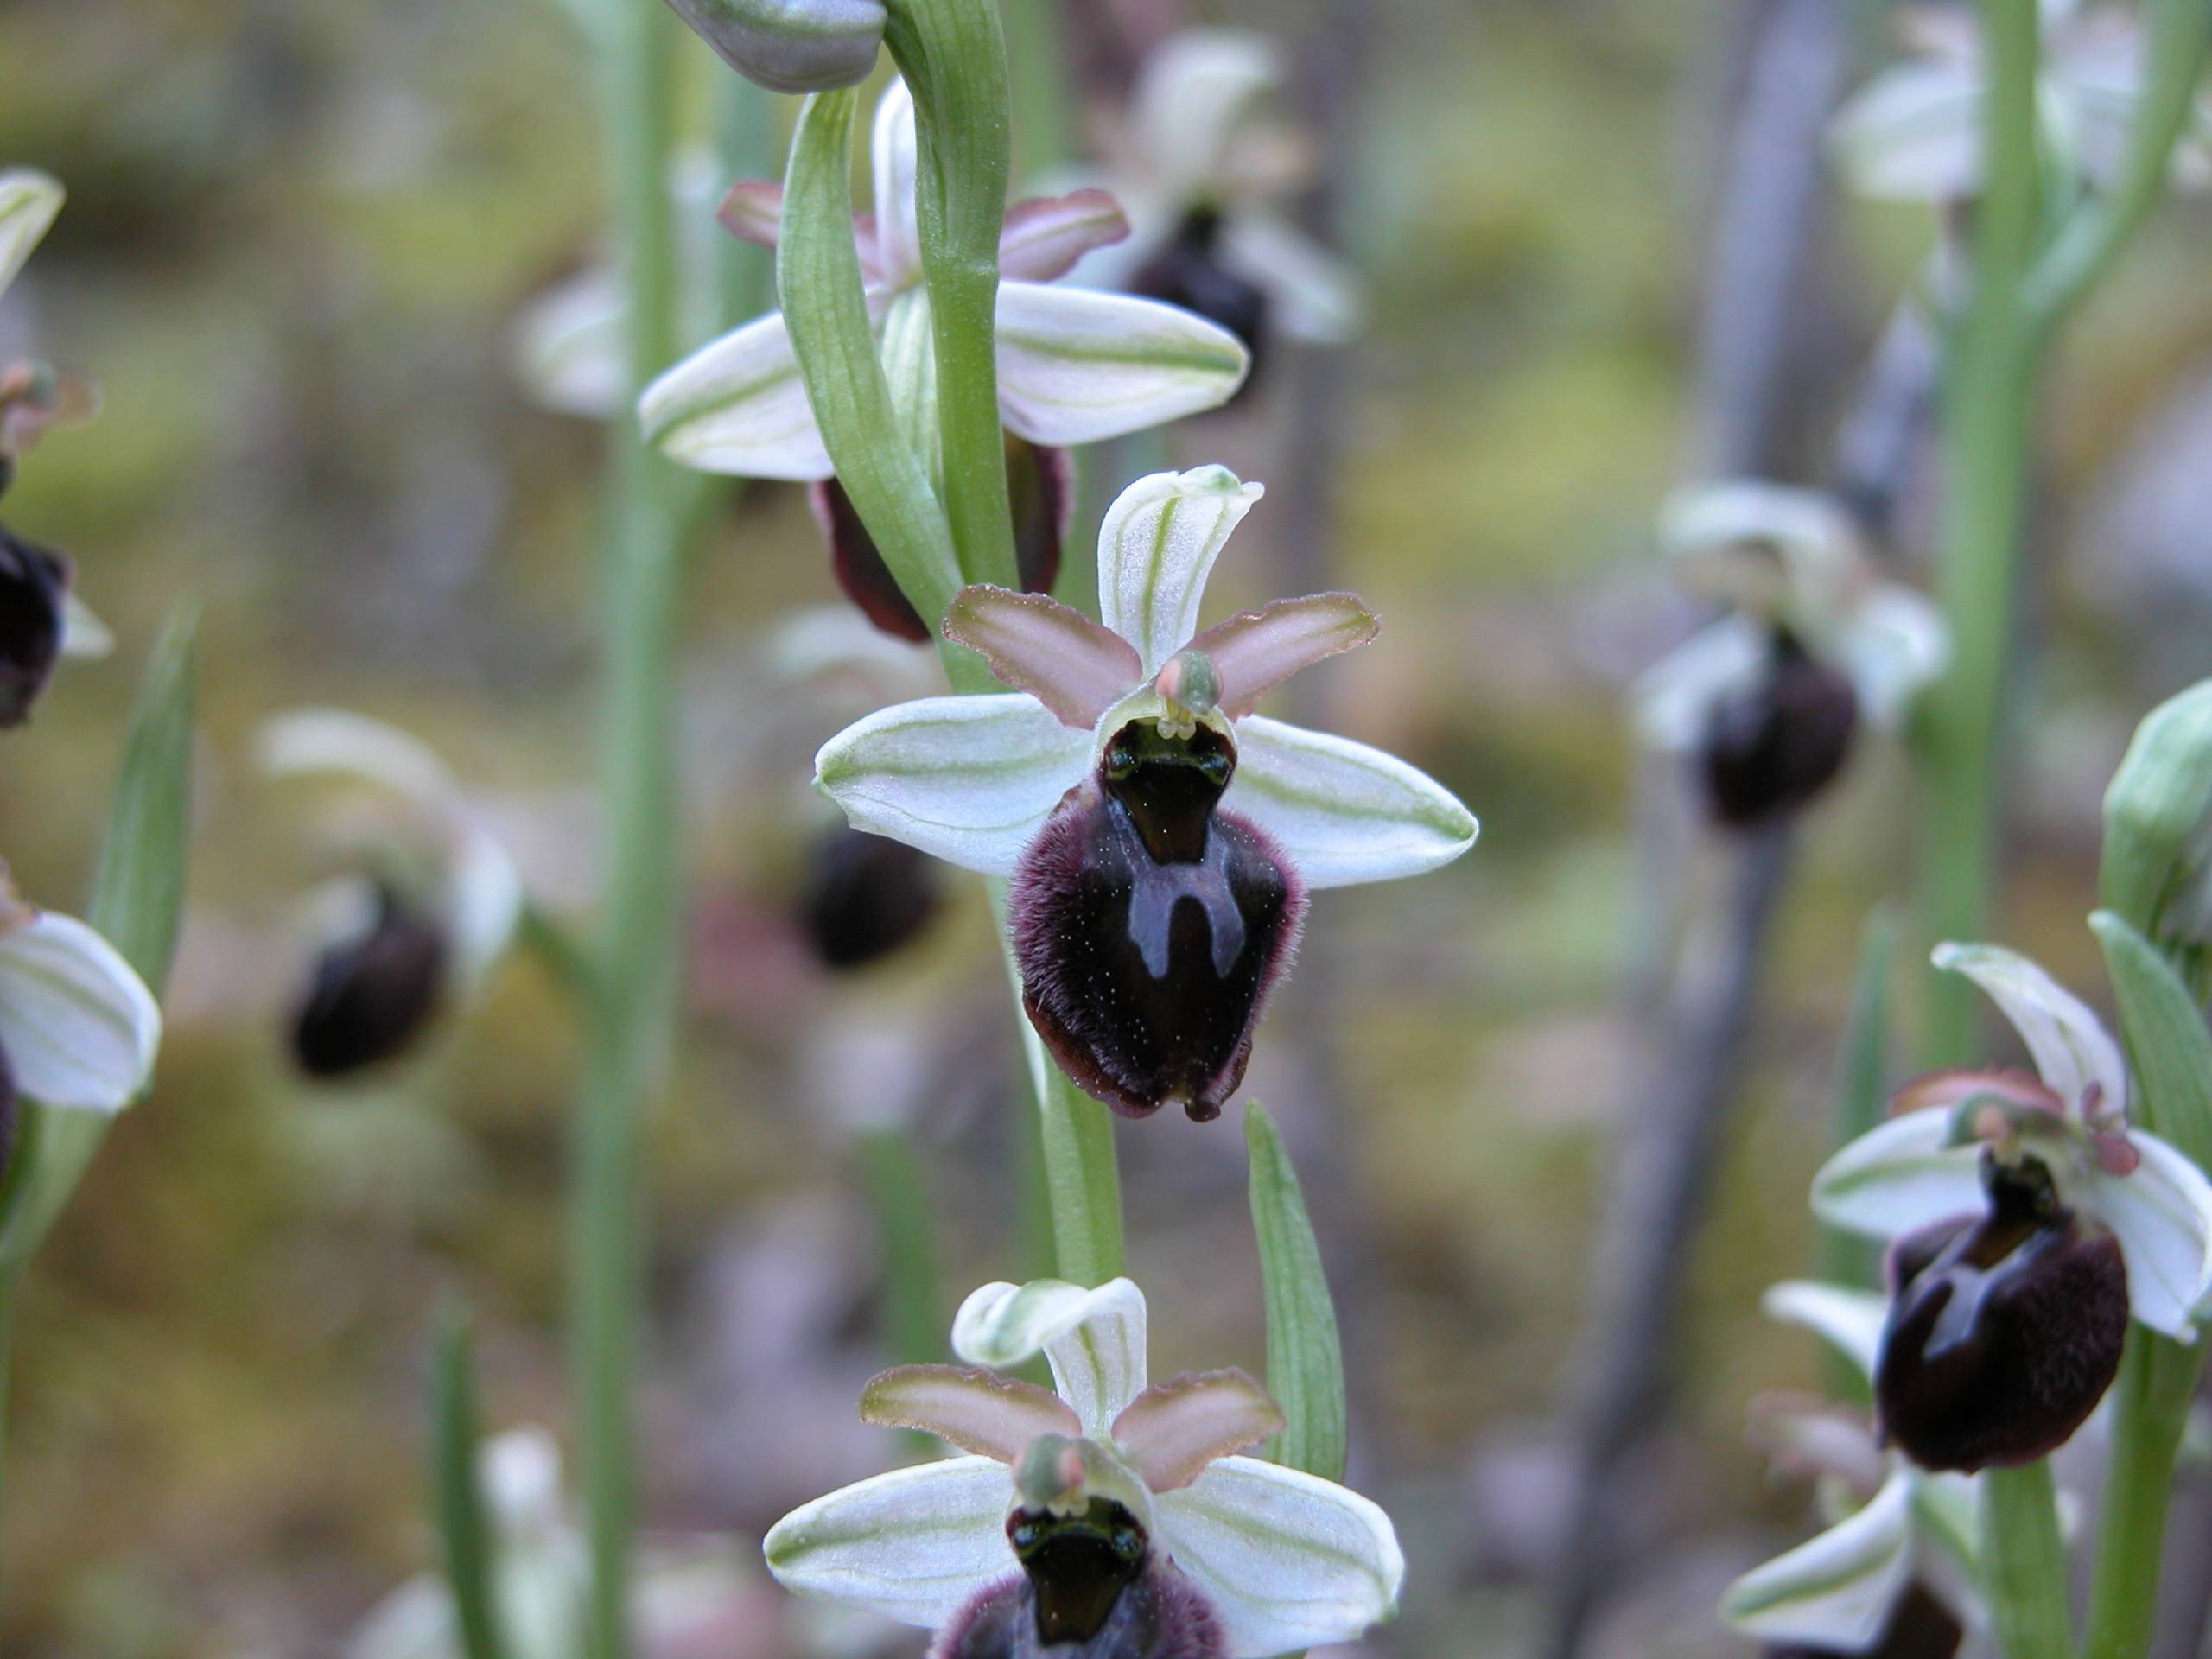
34	589
372	995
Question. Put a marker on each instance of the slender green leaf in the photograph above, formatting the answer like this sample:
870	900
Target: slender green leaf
1305	1363
471	1548
2168	1047
137	904
2156	810
818	283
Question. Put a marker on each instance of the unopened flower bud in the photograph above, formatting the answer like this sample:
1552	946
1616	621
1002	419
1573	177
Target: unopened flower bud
1188	271
2156	869
1150	926
866	896
1090	1588
1772	744
2004	1329
790	46
33	591
1040	489
372	993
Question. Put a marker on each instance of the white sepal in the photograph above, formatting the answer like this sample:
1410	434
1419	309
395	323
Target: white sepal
1344	812
1835	1590
28	202
1094	1340
80	1028
1850	1320
1195	91
1157	545
967	780
1895	642
894	150
1313	294
2161	1213
2069	1045
738	406
914	1545
1900	1175
568	350
83	634
1289	1562
1674	697
485	897
1077	365
1914	132
347	745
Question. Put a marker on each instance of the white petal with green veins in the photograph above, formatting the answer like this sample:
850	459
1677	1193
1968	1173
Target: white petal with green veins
1077	365
1850	1320
1344	811
914	1545
2161	1213
2071	1048
967	779
28	202
1899	1175
1157	545
1289	1560
894	150
1836	1590
81	1030
738	406
1094	1340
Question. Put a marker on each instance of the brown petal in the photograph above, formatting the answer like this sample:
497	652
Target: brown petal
1950	1090
1046	236
859	566
1071	665
976	1410
1254	652
1173	1430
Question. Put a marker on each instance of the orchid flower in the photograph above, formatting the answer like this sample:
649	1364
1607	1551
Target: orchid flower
1074	366
1914	133
689	1591
1160	835
395	951
78	1029
1200	177
1815	642
1249	1559
1893	1526
1925	1165
44	619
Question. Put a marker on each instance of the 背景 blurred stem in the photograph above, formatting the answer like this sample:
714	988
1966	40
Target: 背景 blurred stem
1037	71
1988	396
2026	1563
632	1008
953	55
2150	1404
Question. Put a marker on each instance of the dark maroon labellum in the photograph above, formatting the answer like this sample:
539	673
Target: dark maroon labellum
1920	1627
866	896
1150	926
33	584
1773	745
371	995
1090	1588
1188	271
1040	488
2004	1329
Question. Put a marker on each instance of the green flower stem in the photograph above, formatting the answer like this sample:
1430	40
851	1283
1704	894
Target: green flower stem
471	1548
632	1009
1081	1173
2026	1563
2150	1408
1991	366
905	1238
953	55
